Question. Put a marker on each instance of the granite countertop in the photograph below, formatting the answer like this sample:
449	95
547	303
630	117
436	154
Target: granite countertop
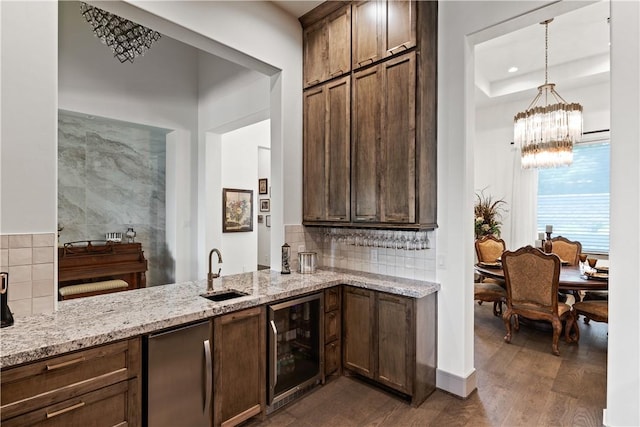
86	322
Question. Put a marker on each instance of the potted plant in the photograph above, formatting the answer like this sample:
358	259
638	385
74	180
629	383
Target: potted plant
488	215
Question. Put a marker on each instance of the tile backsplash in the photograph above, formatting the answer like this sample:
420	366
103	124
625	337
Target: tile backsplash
29	260
361	250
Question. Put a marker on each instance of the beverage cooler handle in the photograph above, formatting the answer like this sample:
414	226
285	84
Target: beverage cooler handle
274	354
208	376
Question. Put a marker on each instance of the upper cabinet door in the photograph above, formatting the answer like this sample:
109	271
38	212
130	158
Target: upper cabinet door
367	35
399	26
315	54
338	30
382	28
327	47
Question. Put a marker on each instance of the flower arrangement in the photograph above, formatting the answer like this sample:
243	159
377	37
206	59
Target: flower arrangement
488	215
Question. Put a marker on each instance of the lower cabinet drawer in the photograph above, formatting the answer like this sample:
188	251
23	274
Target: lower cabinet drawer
331	357
108	406
60	379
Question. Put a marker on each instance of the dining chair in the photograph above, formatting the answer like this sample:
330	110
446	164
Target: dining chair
597	310
490	292
532	292
568	250
489	248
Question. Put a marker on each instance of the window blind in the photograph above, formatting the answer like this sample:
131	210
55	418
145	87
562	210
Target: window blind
575	199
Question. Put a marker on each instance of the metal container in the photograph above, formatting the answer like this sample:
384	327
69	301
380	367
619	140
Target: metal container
306	262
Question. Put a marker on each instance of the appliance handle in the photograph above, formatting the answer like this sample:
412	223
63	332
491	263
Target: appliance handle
208	376
274	354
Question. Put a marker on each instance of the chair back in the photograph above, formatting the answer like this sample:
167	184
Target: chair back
532	279
489	248
566	249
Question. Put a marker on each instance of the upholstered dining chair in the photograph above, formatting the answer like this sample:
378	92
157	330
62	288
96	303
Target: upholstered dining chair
490	292
489	248
568	250
532	292
597	310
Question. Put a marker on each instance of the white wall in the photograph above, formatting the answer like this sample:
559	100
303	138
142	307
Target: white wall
240	171
264	232
495	158
29	117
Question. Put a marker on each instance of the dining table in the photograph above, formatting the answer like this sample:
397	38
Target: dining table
570	277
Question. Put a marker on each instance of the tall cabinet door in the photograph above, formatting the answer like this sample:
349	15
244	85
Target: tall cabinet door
315	54
398	144
358	330
326	152
337	151
365	147
314	138
396	348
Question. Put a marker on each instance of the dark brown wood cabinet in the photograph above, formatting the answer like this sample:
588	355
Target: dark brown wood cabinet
326	165
332	331
99	386
327	47
392	182
384	142
239	373
391	339
381	29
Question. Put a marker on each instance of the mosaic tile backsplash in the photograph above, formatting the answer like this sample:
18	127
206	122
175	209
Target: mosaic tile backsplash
29	260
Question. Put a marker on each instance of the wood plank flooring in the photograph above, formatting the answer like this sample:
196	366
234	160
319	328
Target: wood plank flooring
519	384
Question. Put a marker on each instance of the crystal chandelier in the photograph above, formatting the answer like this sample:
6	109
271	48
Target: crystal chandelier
125	38
546	134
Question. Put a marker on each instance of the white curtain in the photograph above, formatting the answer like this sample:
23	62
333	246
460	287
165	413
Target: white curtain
524	196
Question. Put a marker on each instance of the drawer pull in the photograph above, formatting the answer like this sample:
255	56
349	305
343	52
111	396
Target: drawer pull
368	60
398	48
336	73
316	81
65	364
65	410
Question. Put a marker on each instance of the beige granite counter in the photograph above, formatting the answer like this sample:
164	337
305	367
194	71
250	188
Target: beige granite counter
87	322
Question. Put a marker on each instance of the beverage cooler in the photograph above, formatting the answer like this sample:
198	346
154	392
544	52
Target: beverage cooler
295	336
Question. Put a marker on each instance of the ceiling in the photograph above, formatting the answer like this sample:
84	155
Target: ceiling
578	56
297	8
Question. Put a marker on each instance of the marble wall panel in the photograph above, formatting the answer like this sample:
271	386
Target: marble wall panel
112	177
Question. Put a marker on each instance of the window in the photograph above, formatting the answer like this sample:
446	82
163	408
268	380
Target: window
575	199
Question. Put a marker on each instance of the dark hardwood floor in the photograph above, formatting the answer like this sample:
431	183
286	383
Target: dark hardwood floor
519	384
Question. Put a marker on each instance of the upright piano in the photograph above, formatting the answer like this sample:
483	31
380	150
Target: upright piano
98	267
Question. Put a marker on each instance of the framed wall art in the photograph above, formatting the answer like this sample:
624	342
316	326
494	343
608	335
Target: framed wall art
265	205
263	186
237	210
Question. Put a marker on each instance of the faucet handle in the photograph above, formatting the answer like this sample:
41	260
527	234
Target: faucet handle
219	270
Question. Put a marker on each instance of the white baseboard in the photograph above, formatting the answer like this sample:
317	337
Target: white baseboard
454	384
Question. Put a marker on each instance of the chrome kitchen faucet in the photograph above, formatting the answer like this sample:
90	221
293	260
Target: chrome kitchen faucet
211	275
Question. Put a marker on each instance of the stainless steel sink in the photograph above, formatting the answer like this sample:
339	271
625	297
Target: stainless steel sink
223	295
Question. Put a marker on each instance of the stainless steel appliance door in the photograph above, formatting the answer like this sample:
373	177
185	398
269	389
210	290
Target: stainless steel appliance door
179	377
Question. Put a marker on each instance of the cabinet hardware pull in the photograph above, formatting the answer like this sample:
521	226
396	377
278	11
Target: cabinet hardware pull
403	46
274	354
65	364
314	82
208	376
369	60
338	72
65	410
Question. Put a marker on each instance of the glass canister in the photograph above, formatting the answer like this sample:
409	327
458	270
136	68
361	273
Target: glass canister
286	257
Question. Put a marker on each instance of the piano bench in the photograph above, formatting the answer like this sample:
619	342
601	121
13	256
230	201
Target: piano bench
95	288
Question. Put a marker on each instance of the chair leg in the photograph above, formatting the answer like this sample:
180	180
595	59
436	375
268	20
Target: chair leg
571	326
497	308
506	317
557	328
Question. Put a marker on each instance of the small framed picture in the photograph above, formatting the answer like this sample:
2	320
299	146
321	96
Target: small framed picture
237	210
268	220
265	205
260	219
263	187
